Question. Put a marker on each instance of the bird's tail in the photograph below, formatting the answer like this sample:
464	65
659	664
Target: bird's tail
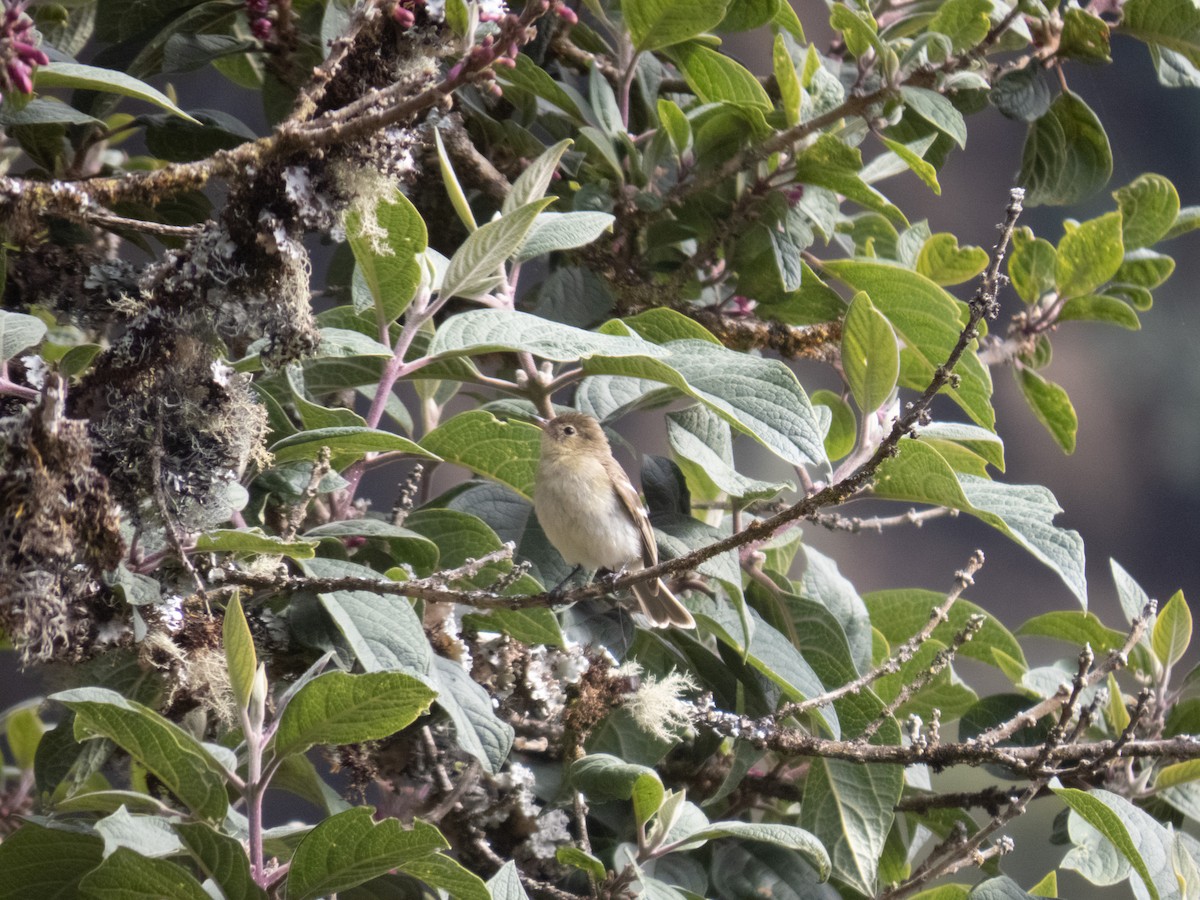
661	607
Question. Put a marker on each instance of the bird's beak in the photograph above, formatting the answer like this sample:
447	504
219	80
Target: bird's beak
540	422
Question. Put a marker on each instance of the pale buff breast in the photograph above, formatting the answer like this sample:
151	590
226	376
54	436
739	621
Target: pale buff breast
588	534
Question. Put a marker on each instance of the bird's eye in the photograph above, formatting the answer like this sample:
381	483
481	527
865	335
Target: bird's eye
568	430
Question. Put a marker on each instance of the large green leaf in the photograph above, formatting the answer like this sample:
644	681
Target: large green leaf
496	331
178	760
477	728
1149	206
89	78
476	267
929	322
222	858
704	451
46	862
506	452
1142	841
850	808
1067	157
717	78
1025	513
1089	254
1172	24
338	708
757	396
127	875
1051	405
383	631
350	848
870	357
347	443
654	24
390	263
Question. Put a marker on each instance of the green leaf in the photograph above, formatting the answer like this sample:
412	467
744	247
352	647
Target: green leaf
1187	220
675	121
911	156
45	111
176	758
1024	513
527	76
45	862
382	630
253	541
476	727
348	443
965	22
704	449
405	546
531	185
943	262
757	396
338	708
482	331
23	729
390	263
849	807
127	875
858	27
351	848
843	426
221	858
454	190
1144	268
788	80
1089	255
506	452
780	835
563	231
1149	205
654	24
18	332
1100	308
476	268
1173	24
663	325
742	869
901	613
714	77
506	883
1032	265
1172	633
570	855
647	795
870	357
1076	628
929	321
1177	774
602	776
1051	406
1067	157
460	536
832	164
1085	37
770	653
1023	95
240	658
1130	830
89	78
446	874
936	109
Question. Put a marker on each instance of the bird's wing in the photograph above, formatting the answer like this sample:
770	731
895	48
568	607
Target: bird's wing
633	506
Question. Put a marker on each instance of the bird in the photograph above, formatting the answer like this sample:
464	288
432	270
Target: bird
592	515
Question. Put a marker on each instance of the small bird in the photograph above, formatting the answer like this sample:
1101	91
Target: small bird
592	515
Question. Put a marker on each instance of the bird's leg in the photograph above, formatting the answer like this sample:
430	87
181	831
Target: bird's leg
557	591
608	580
